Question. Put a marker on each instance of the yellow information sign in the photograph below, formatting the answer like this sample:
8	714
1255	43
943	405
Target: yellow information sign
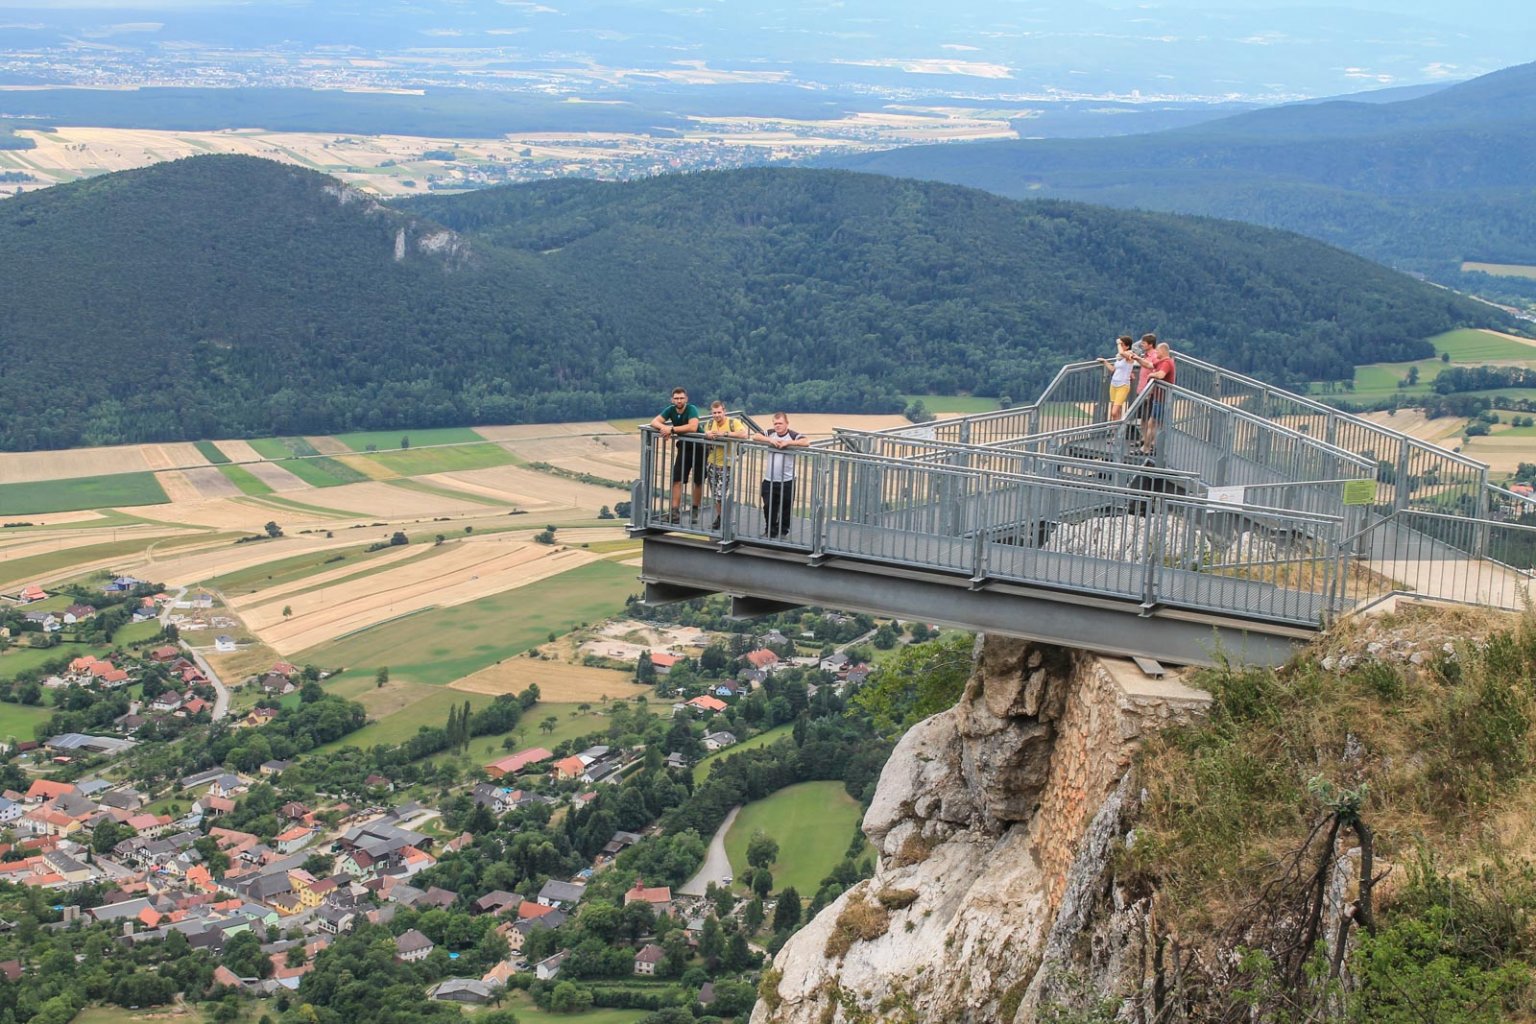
1360	492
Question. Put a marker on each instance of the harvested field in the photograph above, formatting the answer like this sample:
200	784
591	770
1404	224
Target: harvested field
276	477
61	518
465	573
529	489
343	570
208	482
557	680
29	467
187	567
379	499
366	466
822	424
1444	431
237	666
239	451
326	445
536	431
173	455
176	485
611	456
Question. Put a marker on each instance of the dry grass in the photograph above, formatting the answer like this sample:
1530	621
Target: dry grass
234	668
557	681
859	921
1444	749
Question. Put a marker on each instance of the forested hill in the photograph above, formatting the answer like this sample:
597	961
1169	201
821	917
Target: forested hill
1422	183
228	296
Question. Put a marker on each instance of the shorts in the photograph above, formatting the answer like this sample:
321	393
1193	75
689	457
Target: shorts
688	462
719	477
1118	393
1153	410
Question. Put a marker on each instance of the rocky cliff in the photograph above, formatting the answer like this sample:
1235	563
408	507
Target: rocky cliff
995	823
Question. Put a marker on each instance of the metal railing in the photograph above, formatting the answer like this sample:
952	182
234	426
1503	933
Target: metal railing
1263	504
1082	535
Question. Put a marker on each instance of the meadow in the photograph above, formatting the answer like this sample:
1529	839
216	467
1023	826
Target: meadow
210	451
1464	347
813	823
20	720
1499	269
964	405
450	459
244	479
87	492
762	739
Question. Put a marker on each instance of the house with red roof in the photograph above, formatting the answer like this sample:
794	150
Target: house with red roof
763	659
33	593
47	789
659	898
514	763
568	768
663	662
707	703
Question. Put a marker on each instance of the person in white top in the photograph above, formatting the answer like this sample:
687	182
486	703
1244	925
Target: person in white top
1120	376
779	474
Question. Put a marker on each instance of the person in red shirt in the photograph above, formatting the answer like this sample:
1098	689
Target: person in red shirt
1158	369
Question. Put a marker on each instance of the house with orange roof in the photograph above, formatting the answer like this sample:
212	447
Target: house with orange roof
166	653
663	662
195	706
47	789
33	593
763	659
82	665
528	910
707	703
568	767
659	898
295	838
199	877
514	763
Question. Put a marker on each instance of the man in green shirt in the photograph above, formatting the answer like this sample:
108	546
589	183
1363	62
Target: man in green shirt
680	421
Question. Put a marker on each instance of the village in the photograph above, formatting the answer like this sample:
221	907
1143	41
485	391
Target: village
282	852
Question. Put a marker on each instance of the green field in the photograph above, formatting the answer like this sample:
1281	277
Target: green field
303	460
20	720
1473	346
1499	269
86	492
964	404
210	451
453	459
385	440
136	633
291	569
242	478
527	1013
762	739
432	709
443	644
813	823
1467	347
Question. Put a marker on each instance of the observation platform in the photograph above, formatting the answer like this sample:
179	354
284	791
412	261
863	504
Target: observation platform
1262	517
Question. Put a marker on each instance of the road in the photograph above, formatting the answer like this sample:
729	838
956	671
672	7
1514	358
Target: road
220	691
717	866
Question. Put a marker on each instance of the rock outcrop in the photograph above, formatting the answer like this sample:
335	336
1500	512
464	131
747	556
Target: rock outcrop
995	822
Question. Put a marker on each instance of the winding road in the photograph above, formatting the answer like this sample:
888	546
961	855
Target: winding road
220	691
717	866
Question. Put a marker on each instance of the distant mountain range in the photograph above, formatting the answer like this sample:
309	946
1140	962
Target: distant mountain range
231	296
1420	184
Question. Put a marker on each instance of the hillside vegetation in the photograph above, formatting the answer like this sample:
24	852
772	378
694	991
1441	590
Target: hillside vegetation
1404	745
1421	183
230	296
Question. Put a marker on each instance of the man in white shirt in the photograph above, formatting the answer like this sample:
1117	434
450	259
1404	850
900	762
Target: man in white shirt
779	473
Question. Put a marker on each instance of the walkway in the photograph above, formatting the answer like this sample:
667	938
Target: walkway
1264	516
717	866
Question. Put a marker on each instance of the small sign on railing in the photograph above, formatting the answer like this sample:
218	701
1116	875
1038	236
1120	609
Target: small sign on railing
1360	492
1234	495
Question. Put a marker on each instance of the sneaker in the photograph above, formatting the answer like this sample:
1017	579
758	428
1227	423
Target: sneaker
716	524
672	517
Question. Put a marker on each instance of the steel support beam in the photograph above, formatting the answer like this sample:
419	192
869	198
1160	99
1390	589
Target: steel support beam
689	568
748	606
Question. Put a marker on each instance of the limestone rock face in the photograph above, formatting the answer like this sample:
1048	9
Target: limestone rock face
995	822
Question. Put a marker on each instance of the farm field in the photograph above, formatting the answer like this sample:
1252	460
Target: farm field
1499	269
557	680
86	492
244	480
1466	347
813	823
963	405
465	572
383	440
762	739
450	459
440	645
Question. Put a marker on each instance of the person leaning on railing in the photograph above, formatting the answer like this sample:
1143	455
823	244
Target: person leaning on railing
717	469
682	418
779	474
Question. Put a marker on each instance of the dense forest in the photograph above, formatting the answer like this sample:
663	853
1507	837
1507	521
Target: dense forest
230	296
1420	184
